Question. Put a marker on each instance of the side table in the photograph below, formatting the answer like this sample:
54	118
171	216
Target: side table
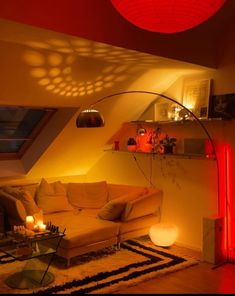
38	251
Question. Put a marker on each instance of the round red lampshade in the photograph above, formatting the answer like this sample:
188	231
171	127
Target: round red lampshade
167	16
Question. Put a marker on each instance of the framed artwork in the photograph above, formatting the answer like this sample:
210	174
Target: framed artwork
222	106
196	96
161	111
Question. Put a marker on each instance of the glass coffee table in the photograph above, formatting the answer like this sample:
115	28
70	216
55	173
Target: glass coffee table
38	251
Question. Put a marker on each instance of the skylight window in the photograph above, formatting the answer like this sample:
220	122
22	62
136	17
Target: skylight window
19	126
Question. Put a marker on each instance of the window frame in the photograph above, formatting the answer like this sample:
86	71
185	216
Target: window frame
32	136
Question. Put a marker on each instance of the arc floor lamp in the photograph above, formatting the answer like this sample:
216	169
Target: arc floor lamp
91	118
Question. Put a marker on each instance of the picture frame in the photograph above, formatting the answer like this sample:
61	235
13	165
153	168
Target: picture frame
196	95
222	106
161	111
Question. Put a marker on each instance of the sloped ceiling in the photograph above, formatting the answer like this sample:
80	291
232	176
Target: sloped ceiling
58	54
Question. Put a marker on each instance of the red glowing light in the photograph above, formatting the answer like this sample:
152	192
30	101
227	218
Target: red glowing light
167	16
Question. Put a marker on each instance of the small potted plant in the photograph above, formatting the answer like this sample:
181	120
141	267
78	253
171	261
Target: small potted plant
168	144
131	144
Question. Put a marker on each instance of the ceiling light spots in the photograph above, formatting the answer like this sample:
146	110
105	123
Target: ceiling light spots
82	93
57	80
58	42
108	69
37	44
74	89
97	89
50	87
68	78
120	69
70	59
100	50
99	83
89	92
101	45
56	90
54	72
65	50
61	85
109	77
67	70
68	94
38	72
89	82
82	49
84	54
80	42
62	92
108	84
89	87
55	59
120	78
75	94
115	52
34	58
81	88
68	87
44	81
99	77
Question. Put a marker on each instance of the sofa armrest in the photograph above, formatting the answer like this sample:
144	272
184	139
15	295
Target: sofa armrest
149	203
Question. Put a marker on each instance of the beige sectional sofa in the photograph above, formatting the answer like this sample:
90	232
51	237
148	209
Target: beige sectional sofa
95	214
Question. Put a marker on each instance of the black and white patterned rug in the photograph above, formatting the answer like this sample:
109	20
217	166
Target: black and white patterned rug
109	270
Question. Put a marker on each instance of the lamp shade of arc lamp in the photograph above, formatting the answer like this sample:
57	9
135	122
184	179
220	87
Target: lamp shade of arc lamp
167	16
163	235
90	118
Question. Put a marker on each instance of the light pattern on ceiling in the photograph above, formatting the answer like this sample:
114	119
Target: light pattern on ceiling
81	67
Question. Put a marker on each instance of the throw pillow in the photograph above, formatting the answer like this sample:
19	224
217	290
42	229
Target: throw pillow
142	206
25	197
51	197
112	209
88	195
13	206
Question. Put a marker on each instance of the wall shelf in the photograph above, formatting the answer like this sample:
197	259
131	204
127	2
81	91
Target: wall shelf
178	155
176	121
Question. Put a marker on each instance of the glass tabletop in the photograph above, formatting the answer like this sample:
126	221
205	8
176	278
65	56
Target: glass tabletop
23	247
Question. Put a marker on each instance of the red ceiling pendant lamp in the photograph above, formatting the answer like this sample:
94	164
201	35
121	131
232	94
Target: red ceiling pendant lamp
167	16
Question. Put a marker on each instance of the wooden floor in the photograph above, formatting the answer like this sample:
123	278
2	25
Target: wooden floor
197	279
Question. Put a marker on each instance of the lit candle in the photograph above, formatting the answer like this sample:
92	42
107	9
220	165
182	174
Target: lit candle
35	228
30	222
42	227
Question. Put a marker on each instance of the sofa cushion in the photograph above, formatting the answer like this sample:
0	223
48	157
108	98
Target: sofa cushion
51	197
88	195
112	210
143	205
25	197
83	228
13	206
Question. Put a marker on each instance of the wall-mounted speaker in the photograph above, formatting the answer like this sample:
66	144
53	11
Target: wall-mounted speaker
213	239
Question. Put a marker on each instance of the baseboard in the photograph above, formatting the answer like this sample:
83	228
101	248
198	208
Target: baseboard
188	246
